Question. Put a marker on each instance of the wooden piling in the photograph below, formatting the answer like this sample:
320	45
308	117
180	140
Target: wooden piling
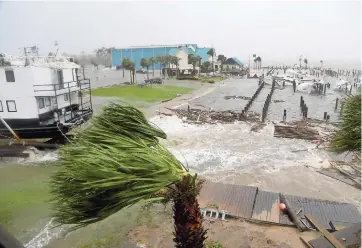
325	116
335	107
301	101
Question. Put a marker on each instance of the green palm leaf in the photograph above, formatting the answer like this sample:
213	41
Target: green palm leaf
116	162
348	138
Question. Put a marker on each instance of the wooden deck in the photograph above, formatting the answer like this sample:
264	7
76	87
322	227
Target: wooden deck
251	203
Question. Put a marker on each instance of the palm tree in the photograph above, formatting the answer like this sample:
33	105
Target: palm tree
129	65
117	162
348	138
254	56
193	60
175	60
305	62
222	60
300	62
259	62
153	61
211	53
206	66
145	63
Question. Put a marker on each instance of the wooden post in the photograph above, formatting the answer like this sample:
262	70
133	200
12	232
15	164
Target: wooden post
335	107
285	115
325	116
350	90
301	101
325	88
292	215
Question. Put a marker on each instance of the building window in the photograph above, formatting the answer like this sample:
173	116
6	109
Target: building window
10	77
41	103
47	101
1	107
11	106
66	97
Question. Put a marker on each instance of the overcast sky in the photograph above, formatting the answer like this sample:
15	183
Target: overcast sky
276	31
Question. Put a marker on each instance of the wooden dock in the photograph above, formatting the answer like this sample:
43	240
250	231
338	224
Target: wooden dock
247	202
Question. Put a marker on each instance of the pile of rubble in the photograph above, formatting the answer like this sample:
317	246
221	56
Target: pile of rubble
212	117
237	97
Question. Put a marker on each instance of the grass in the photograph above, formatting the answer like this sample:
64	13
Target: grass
24	196
154	93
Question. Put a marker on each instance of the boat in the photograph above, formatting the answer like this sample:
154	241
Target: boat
42	97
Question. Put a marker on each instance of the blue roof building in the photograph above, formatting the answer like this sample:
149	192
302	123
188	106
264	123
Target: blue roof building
137	53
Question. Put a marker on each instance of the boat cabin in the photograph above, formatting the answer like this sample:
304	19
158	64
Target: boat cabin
42	97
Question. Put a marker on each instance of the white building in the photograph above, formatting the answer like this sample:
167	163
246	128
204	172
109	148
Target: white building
39	96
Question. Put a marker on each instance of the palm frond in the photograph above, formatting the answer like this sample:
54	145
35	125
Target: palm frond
348	138
114	163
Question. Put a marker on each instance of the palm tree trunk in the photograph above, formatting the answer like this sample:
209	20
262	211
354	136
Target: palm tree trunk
189	232
130	76
123	71
213	66
147	74
153	70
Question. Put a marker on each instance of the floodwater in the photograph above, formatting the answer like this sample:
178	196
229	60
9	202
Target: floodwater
228	153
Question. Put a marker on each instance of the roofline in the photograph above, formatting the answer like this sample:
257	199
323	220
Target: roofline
154	46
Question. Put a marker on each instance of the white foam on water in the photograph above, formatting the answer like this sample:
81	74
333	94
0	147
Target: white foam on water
43	238
37	156
233	148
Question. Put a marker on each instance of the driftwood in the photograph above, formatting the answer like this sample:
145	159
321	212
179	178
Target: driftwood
212	117
237	97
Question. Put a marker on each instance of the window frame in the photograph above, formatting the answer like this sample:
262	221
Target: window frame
66	96
39	100
6	75
7	105
49	101
1	106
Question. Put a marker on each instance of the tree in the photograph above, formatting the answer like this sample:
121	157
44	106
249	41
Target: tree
146	63
50	54
305	62
3	61
206	66
193	60
211	53
94	62
104	56
117	162
175	61
222	60
153	61
348	138
129	65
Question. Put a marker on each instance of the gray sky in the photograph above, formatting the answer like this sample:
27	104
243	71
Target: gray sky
274	30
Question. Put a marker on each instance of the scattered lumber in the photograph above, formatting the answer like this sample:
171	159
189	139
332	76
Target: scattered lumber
332	239
291	213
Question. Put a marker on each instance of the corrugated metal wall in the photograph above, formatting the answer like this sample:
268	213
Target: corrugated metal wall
136	54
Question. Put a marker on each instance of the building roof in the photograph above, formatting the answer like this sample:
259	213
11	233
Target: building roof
173	51
237	61
202	52
234	60
55	62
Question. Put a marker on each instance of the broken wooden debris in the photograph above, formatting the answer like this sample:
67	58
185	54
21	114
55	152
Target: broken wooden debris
237	97
349	237
295	132
211	117
291	213
332	239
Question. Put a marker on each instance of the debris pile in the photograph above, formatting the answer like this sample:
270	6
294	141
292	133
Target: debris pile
203	116
237	97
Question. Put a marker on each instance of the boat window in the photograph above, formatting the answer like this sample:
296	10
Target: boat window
11	106
66	97
41	103
47	101
10	76
1	107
